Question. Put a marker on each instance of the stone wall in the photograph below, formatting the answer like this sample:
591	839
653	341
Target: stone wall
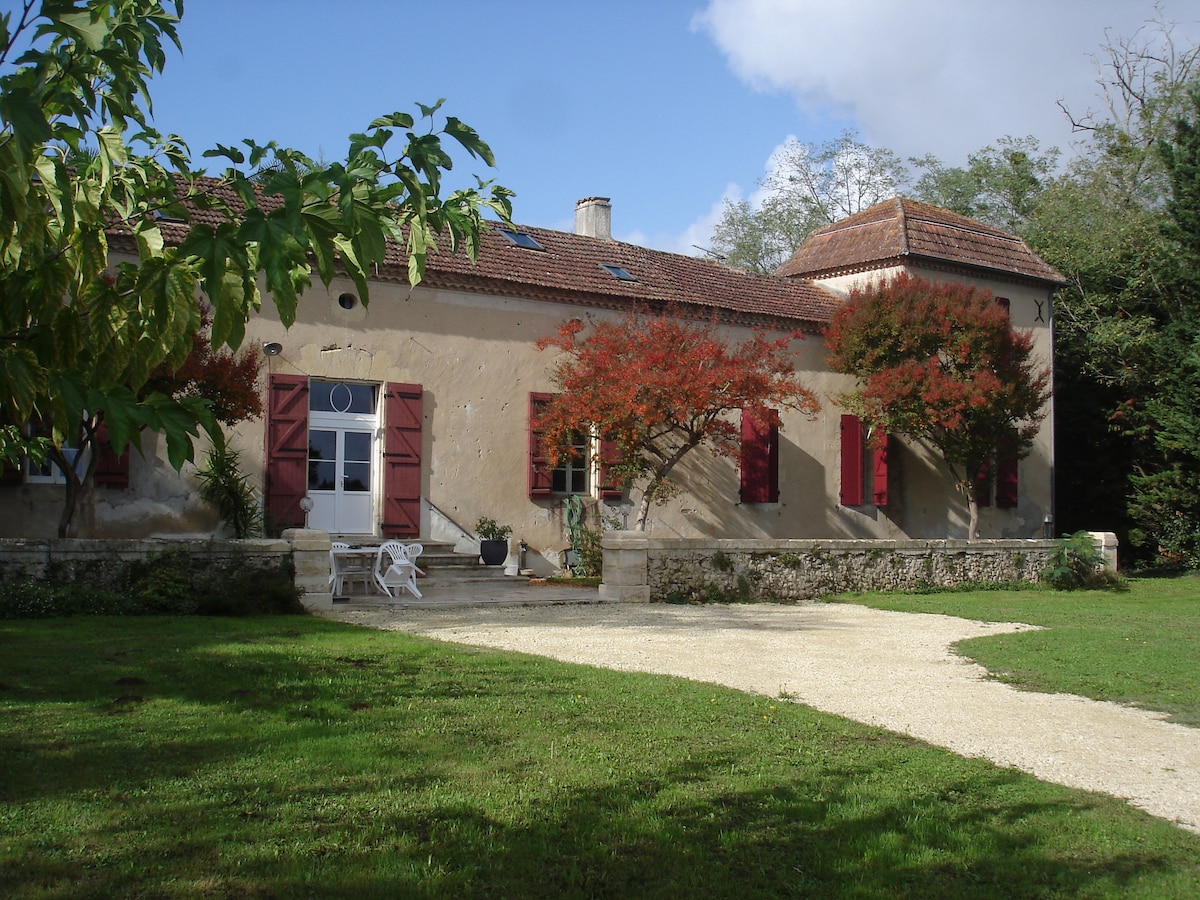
640	568
107	564
104	563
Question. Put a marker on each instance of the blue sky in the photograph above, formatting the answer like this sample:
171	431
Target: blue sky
665	106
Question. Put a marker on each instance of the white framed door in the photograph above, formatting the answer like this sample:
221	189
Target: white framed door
343	449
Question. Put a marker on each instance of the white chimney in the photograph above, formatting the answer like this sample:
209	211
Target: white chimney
593	218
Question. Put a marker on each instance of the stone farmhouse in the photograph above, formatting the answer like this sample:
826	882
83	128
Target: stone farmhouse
410	417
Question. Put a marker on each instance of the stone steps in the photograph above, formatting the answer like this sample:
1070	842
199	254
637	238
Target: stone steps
444	567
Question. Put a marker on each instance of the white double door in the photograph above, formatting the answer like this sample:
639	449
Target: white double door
342	454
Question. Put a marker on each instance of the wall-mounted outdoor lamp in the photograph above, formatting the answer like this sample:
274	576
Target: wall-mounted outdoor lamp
272	348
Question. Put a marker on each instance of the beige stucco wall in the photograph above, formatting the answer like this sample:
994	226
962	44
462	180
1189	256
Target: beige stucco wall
475	358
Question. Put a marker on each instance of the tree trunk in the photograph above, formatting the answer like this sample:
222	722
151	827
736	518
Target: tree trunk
67	527
644	509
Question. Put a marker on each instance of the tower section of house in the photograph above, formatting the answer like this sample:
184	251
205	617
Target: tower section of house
905	236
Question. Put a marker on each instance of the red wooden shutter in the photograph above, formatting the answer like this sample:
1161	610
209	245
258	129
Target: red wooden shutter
983	484
610	455
880	454
12	474
287	449
403	426
1006	484
111	470
852	461
540	476
760	458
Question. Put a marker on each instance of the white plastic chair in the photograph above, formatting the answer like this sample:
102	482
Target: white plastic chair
412	551
335	578
394	570
343	572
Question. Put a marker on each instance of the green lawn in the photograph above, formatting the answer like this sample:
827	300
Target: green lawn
295	757
1140	646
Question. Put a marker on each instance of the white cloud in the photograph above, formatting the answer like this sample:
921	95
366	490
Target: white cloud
932	76
946	77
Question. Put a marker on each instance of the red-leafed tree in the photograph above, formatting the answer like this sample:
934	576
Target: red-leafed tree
228	381
659	386
941	363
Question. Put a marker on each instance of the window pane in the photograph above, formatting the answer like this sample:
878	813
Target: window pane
358	446
331	396
322	444
357	477
318	396
321	475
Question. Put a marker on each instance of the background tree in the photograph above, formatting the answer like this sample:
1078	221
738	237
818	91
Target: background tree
660	386
1165	503
940	363
81	159
808	186
1103	223
1000	185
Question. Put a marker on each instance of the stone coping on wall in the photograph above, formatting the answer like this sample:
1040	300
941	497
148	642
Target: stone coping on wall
50	550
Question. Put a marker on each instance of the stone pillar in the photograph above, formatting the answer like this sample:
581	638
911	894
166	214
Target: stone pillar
310	555
1106	543
626	566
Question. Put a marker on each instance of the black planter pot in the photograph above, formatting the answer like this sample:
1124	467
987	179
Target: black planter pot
493	553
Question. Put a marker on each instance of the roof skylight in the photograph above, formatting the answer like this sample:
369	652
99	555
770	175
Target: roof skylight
521	239
618	272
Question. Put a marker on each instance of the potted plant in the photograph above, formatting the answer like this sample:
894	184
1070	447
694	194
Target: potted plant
493	541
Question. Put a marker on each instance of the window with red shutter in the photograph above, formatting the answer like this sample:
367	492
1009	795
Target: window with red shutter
880	465
112	469
983	484
852	461
1006	484
760	458
540	474
610	455
10	474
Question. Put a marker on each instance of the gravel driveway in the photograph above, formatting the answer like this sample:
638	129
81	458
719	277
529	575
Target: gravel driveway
894	670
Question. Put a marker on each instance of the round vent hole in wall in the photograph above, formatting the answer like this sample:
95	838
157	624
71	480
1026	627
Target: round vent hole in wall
347	301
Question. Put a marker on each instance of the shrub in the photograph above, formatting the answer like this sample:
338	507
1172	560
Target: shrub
162	584
589	552
1076	563
227	487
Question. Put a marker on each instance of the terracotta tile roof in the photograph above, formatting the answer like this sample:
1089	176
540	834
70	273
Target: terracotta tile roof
569	270
903	230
